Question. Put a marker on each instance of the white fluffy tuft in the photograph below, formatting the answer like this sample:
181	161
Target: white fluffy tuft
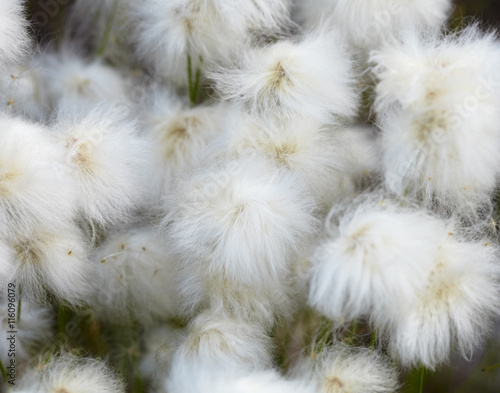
309	77
376	257
437	102
342	369
14	39
108	160
331	162
54	261
207	31
367	24
34	188
217	339
454	311
179	134
68	80
236	227
69	373
20	94
134	276
194	377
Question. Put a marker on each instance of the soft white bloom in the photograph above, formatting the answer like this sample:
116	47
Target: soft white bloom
68	80
108	160
134	277
236	227
212	338
310	76
20	92
344	369
454	311
207	31
35	190
34	330
179	134
54	261
330	161
195	377
367	24
376	257
72	374
249	217
14	39
438	106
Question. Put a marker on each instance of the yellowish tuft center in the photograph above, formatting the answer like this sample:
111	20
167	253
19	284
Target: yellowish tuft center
279	77
334	385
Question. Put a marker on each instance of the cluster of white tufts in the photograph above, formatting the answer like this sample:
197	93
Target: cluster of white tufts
233	196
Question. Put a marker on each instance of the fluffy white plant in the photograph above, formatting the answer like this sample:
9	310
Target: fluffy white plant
14	38
306	77
437	103
69	80
192	377
367	24
52	260
344	369
34	189
208	31
134	278
455	309
107	158
179	134
376	256
215	338
236	227
210	300
329	161
73	374
20	92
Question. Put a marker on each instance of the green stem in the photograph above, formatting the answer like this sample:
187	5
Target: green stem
196	86
373	339
190	77
4	372
324	336
421	382
193	85
107	30
491	367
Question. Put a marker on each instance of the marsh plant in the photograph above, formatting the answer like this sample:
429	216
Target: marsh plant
246	195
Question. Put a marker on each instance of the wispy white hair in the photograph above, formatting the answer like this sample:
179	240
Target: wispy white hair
14	38
437	104
310	76
108	159
207	31
367	24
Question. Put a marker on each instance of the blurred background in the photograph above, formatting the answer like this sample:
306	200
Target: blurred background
487	10
482	373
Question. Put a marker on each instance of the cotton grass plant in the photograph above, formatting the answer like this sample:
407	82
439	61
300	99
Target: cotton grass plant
246	196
